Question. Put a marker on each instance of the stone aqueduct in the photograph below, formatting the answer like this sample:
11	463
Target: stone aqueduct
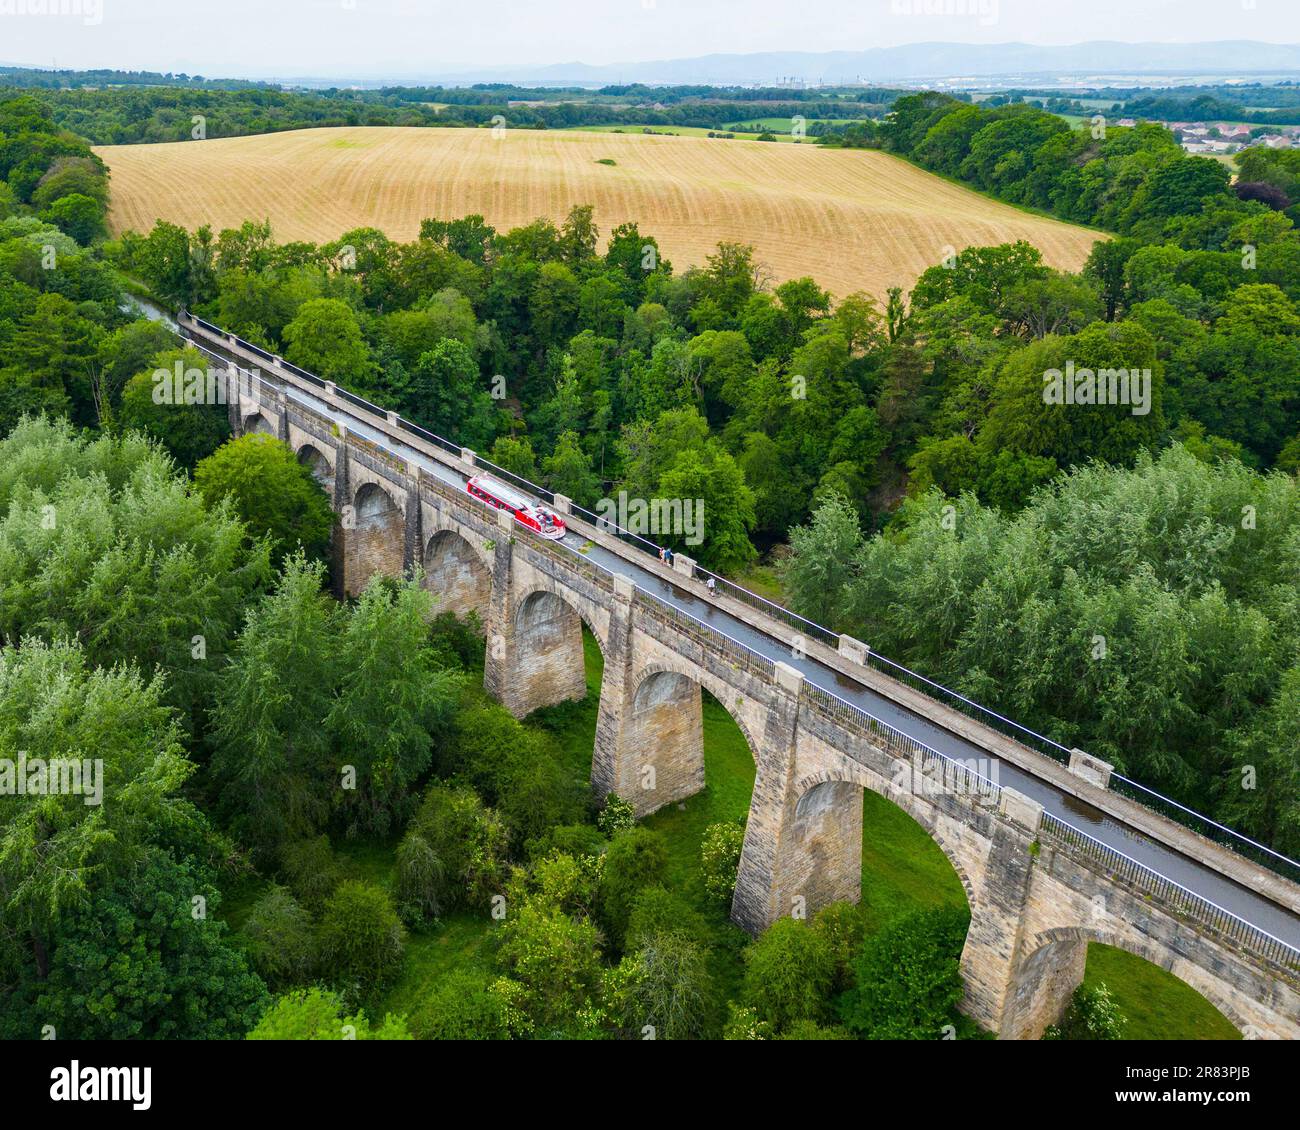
1036	899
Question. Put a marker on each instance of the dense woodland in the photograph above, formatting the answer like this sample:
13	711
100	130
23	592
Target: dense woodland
167	111
162	588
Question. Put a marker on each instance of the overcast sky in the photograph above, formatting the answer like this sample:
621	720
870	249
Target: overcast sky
283	38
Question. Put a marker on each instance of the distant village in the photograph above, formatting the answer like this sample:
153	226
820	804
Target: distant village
1219	138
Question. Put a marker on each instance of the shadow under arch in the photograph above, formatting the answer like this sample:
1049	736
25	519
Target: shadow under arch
726	697
925	816
315	460
455	573
1053	967
372	502
674	725
548	663
257	424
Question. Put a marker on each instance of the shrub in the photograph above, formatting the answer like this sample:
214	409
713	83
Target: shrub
571	839
666	987
361	937
789	970
311	870
616	815
452	855
843	926
462	1007
279	939
317	1014
720	859
637	858
656	910
555	960
908	983
744	1024
1091	1015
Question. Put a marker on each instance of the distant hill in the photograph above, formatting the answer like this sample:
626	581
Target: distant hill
919	61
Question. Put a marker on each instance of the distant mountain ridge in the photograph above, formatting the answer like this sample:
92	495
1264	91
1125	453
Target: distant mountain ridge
915	61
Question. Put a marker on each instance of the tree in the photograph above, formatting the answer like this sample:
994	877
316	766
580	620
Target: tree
1037	411
191	432
666	988
82	217
446	395
392	706
453	854
318	1014
105	543
822	563
516	456
361	937
146	959
271	749
907	980
325	338
567	471
59	853
272	493
556	961
789	970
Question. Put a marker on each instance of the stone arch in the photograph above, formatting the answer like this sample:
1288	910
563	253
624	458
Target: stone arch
663	741
728	697
536	585
1053	963
374	537
926	815
371	503
320	465
455	572
259	424
545	636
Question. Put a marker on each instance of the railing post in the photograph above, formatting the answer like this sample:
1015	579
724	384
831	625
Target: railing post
855	651
1090	768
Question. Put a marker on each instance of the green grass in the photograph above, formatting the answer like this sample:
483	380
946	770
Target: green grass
728	782
459	941
761	579
1158	1005
903	869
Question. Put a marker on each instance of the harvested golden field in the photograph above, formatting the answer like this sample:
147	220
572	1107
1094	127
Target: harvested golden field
853	220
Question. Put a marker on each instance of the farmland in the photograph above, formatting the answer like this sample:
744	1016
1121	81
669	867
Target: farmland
852	220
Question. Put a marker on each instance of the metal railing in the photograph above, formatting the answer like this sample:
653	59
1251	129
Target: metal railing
1174	896
1210	829
948	772
1180	814
740	654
